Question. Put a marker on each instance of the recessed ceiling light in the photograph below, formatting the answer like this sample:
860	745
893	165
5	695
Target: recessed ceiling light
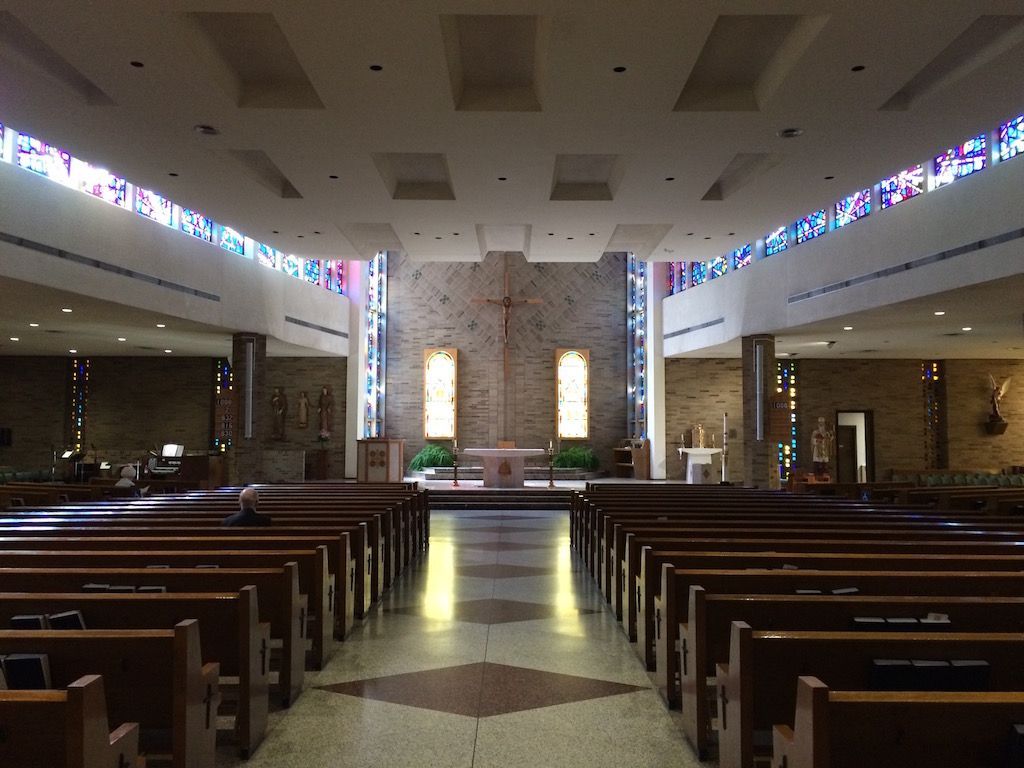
205	130
121	338
15	338
376	67
33	325
503	178
858	68
275	231
73	351
618	69
333	176
437	237
847	327
137	64
967	328
570	238
790	133
940	313
168	351
316	232
690	234
670	178
707	238
66	310
301	235
551	234
416	233
172	173
591	234
731	234
829	178
161	325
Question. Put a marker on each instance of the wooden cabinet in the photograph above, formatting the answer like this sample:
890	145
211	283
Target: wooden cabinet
380	460
633	459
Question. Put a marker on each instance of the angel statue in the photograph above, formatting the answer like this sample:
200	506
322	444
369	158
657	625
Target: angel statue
998	391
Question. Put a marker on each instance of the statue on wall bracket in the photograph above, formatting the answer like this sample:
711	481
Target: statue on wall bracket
996	424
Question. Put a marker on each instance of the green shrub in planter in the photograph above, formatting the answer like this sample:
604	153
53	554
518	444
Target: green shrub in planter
576	457
432	455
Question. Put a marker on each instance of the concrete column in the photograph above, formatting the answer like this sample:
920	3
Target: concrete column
656	276
760	455
355	391
252	405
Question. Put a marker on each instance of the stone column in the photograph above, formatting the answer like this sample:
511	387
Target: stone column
252	425
656	276
760	456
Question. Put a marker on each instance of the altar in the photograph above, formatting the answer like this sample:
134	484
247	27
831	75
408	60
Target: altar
503	467
697	460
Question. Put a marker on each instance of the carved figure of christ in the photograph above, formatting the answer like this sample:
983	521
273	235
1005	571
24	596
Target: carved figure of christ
506	302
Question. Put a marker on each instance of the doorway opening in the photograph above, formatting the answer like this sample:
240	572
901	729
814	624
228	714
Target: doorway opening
855	447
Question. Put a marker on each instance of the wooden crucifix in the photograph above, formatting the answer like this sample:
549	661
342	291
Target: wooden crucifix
506	302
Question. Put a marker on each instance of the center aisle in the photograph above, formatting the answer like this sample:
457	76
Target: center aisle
495	650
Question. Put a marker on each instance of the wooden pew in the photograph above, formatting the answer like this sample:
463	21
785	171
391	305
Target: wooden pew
66	728
706	636
155	676
756	688
229	627
280	604
853	729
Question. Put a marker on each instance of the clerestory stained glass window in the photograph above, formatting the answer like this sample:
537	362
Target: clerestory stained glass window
1011	138
267	256
856	206
42	158
312	270
698	272
903	186
440	378
100	183
154	207
970	157
232	240
291	265
811	226
776	242
741	257
573	396
195	224
718	266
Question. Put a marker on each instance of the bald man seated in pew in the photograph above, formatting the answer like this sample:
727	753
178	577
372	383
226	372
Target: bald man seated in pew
247	516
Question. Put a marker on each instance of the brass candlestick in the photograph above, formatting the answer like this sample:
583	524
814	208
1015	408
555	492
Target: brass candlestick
551	464
455	463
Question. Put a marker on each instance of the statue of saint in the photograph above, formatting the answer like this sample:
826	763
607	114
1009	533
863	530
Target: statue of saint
822	441
998	392
303	411
279	406
325	410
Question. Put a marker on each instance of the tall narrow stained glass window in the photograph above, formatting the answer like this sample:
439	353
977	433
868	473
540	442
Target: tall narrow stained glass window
1011	138
376	357
718	266
970	157
573	397
698	272
312	270
195	224
670	278
741	257
903	186
785	385
776	242
42	158
636	321
154	207
852	208
811	226
78	380
232	240
223	405
440	388
933	380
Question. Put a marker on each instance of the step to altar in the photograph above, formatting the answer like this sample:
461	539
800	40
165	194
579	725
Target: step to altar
487	499
532	473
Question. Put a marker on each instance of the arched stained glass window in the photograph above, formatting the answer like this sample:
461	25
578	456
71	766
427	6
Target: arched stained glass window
573	394
440	379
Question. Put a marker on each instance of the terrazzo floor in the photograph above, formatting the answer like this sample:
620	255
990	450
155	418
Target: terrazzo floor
495	649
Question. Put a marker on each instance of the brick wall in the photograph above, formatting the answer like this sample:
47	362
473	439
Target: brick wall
139	403
33	398
700	391
430	305
968	408
890	388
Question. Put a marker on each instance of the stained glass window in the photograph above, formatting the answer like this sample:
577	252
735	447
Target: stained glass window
267	256
197	225
42	158
231	240
439	387
903	186
291	265
776	242
311	270
334	276
573	397
1011	138
811	226
718	266
741	257
856	206
671	278
785	385
960	161
376	357
698	272
100	183
636	318
153	206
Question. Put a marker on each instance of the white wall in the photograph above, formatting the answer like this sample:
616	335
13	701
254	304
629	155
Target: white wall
754	300
252	297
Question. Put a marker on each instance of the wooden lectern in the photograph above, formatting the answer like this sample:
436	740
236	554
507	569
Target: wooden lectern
380	460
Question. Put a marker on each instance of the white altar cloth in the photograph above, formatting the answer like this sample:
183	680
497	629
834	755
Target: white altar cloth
503	467
696	460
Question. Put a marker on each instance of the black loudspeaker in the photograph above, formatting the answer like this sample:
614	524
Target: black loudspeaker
5	437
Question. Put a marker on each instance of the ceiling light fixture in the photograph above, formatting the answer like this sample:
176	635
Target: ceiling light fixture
66	310
670	178
790	133
205	130
503	178
275	231
333	176
847	327
967	328
33	325
316	231
168	351
121	338
940	313
73	351
829	178
858	68
618	69
15	338
376	67
160	325
137	64
172	173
